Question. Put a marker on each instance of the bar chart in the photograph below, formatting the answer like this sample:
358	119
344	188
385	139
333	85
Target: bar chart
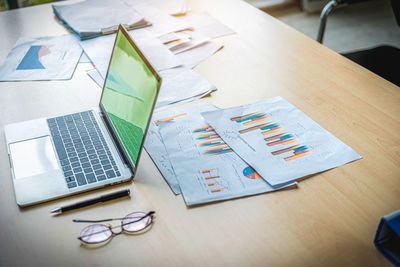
297	151
267	128
255	118
209	141
171	118
213	181
280	139
251	118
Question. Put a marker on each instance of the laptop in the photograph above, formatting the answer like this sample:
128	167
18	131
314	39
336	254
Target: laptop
64	155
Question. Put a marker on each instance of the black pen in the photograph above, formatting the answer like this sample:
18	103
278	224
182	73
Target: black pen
103	198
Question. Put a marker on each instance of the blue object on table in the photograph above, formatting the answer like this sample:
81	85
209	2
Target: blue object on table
387	238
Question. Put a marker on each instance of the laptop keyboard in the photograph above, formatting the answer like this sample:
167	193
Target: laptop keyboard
83	152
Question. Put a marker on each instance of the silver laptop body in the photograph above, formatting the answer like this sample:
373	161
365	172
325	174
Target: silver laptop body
45	168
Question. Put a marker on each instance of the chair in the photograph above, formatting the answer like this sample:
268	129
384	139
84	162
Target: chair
12	4
383	60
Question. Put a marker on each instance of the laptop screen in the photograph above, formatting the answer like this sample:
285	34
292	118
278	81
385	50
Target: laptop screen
129	94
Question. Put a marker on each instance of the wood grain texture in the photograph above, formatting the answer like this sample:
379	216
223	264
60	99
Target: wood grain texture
329	220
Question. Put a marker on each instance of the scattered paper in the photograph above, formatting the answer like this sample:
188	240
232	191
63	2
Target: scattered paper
206	25
184	39
155	147
155	52
206	168
195	56
84	58
96	76
192	41
99	51
161	22
42	58
278	140
173	36
180	84
172	7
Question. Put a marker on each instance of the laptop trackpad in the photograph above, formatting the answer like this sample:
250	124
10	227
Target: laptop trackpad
32	157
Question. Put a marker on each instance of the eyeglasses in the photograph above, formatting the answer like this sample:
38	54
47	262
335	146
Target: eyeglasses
101	234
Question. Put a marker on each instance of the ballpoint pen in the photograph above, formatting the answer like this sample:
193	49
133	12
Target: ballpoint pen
100	199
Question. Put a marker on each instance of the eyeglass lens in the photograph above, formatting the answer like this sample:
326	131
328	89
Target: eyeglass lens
133	222
98	233
95	233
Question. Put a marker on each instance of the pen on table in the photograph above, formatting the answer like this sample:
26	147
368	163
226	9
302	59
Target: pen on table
103	198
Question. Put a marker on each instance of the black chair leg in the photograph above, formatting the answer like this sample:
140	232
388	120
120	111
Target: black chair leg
324	16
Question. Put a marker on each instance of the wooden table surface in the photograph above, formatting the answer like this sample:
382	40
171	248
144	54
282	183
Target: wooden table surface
329	220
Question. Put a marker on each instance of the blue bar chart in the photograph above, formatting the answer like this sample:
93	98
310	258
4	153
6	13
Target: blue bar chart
268	128
296	151
209	141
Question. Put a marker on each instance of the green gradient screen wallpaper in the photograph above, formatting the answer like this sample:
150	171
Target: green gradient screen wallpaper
128	96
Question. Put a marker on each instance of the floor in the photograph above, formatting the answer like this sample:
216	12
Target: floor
349	28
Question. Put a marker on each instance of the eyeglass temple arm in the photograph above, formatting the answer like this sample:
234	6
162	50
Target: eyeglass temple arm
94	221
150	213
112	219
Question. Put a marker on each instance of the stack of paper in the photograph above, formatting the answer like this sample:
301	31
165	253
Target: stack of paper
210	154
92	18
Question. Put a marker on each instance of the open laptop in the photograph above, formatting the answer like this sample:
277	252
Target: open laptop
63	155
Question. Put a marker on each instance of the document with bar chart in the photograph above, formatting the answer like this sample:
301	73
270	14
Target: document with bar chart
278	140
206	168
154	144
41	58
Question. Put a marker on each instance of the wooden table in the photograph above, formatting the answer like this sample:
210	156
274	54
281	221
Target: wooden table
329	220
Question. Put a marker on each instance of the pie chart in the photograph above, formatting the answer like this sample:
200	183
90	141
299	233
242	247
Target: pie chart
250	173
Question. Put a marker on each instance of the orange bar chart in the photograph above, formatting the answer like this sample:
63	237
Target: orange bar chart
156	122
298	152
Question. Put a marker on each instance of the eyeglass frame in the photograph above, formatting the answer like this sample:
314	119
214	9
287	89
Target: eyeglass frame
109	227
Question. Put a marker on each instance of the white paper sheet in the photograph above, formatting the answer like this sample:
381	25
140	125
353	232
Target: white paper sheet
179	85
172	7
84	58
194	40
162	23
278	140
155	147
42	58
206	25
195	56
173	36
99	51
205	167
96	76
